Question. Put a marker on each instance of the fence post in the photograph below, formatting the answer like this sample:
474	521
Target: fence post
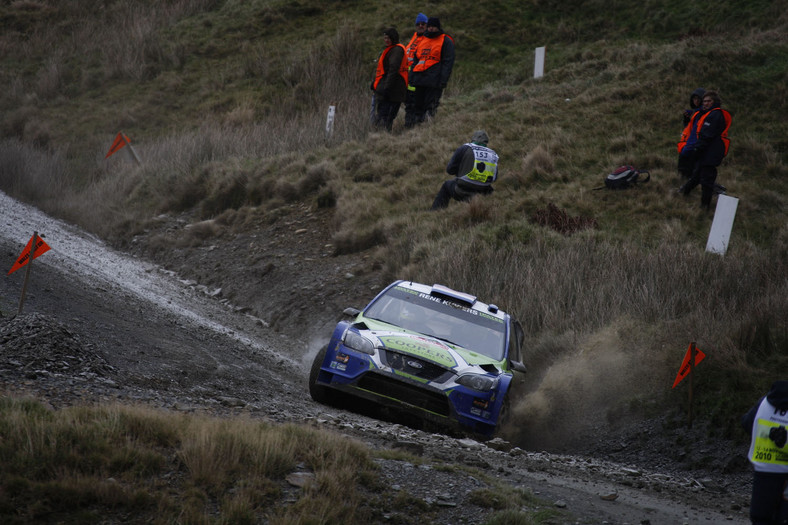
330	121
133	152
27	272
691	370
539	62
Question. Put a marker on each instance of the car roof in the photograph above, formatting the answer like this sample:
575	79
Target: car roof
462	298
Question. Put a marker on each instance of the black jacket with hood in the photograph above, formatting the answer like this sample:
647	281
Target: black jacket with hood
392	86
709	147
777	396
692	106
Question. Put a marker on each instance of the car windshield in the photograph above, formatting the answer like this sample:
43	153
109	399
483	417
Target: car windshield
436	317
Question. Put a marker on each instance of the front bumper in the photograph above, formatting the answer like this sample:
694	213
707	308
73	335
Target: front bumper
412	385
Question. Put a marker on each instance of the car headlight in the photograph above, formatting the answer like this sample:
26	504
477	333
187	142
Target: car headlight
359	343
478	382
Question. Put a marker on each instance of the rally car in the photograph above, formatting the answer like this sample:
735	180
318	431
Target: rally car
427	351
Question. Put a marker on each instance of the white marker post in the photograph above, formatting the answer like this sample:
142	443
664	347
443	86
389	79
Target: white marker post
132	151
330	121
539	62
721	226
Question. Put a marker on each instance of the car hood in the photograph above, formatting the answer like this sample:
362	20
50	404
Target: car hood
428	348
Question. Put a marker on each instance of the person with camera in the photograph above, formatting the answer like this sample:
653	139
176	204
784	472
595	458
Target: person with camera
696	98
475	167
767	424
688	136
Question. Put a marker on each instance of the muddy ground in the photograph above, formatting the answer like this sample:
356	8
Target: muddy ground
207	317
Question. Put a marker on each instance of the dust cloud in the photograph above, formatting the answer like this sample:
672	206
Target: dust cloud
312	348
588	389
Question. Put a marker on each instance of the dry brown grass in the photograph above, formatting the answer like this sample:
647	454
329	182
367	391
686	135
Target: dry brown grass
111	460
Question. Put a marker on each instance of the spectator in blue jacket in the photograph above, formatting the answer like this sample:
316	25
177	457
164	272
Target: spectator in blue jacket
685	166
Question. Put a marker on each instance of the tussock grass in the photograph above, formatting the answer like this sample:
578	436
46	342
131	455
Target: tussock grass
99	462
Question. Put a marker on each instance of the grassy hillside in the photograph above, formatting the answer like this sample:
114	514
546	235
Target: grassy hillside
226	104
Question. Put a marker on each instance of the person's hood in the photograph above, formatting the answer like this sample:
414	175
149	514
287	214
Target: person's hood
778	395
698	92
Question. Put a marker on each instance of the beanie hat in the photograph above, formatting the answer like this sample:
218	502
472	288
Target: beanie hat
392	34
433	21
421	18
480	137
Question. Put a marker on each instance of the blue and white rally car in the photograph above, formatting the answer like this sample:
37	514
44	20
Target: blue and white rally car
422	350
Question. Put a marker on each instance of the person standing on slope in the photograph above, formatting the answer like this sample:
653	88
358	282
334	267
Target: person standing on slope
432	68
410	54
688	136
711	126
391	80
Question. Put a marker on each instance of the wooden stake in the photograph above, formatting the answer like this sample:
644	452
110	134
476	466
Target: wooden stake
691	370
27	272
133	152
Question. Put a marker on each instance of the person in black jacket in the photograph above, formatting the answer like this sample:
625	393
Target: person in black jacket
433	64
685	166
389	85
695	101
767	424
475	167
710	148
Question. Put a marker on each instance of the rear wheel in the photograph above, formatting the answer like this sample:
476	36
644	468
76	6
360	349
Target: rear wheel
320	393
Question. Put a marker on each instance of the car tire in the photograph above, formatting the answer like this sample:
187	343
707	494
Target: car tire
320	393
505	414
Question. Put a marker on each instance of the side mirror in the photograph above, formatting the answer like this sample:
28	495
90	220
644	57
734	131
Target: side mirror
351	312
519	336
518	366
515	360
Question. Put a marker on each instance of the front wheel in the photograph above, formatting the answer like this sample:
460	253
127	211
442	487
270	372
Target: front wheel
320	393
504	414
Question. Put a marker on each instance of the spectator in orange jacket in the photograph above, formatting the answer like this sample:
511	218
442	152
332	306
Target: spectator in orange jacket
432	68
711	124
410	53
391	78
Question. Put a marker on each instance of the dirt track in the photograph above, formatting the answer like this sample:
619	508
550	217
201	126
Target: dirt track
187	338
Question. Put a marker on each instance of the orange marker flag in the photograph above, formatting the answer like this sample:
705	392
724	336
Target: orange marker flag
41	248
120	141
685	365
